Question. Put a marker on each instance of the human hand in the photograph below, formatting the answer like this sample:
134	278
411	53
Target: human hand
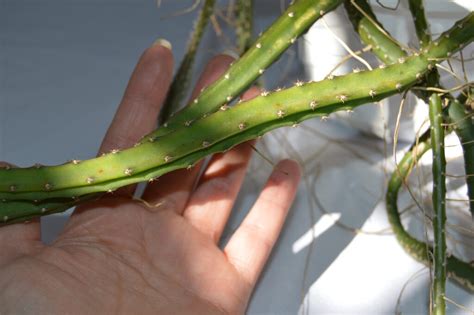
159	255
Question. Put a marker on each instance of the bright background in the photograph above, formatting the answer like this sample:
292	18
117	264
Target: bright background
65	63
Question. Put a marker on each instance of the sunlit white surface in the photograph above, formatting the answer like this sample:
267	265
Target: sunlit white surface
323	224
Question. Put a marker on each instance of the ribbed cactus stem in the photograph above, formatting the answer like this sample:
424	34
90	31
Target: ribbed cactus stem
261	114
439	205
421	24
267	48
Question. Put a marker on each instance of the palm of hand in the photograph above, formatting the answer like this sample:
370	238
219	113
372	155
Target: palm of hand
118	256
160	256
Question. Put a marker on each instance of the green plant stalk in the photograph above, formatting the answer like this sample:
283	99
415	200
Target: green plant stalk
223	130
244	25
268	47
258	115
371	32
458	270
181	81
384	46
421	24
439	204
461	119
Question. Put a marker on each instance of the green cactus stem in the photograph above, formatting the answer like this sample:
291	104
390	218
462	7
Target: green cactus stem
244	24
15	211
268	47
421	24
371	32
181	81
439	205
249	120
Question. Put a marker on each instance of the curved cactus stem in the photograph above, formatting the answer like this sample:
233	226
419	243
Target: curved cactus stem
268	47
244	25
461	120
461	272
178	88
250	118
439	205
384	46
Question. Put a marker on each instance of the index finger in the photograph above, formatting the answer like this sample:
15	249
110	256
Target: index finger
138	111
249	247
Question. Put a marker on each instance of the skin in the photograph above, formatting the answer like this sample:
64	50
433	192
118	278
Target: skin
160	254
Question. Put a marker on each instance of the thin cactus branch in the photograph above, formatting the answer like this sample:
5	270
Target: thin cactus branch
421	24
384	46
439	205
181	81
244	25
268	47
258	115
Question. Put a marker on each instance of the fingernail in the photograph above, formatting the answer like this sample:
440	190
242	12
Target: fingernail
231	53
163	42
